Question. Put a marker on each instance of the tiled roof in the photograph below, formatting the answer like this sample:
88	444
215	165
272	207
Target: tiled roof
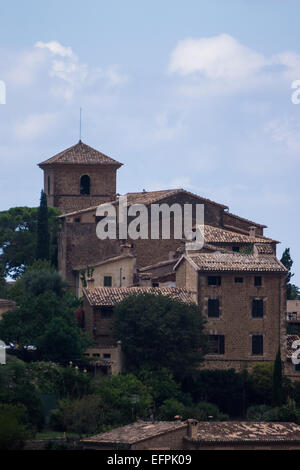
234	216
6	302
136	432
80	154
219	235
169	262
105	261
110	296
234	262
215	432
264	248
289	342
149	197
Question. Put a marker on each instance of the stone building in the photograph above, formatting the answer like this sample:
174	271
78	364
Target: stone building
79	177
98	304
236	277
242	298
194	435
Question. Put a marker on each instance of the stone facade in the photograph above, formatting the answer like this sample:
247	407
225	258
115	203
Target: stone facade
232	327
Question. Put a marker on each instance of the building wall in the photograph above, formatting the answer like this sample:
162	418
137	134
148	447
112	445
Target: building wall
172	440
65	186
6	307
120	278
235	321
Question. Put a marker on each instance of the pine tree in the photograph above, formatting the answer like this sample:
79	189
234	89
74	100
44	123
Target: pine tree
277	385
292	291
43	236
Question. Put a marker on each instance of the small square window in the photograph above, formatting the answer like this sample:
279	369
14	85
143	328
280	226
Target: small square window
77	219
257	281
238	280
297	367
236	249
107	281
213	308
106	356
216	344
257	308
257	345
214	280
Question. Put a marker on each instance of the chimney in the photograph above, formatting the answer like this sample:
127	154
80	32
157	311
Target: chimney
192	429
126	248
252	231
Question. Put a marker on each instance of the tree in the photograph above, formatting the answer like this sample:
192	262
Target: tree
43	235
292	291
277	385
157	331
44	317
18	239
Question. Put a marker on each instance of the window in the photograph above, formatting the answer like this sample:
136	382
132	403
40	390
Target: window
297	367
216	344
238	280
107	281
77	219
213	308
85	185
106	356
236	249
257	308
214	280
106	312
257	345
257	280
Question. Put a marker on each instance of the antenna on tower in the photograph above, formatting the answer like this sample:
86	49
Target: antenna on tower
80	125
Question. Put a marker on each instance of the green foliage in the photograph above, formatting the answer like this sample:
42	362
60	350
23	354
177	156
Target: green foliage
43	235
225	388
16	389
161	384
292	291
13	432
44	317
81	416
170	409
260	413
18	238
157	331
277	385
127	394
204	411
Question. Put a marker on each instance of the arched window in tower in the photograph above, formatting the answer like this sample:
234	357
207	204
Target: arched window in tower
85	184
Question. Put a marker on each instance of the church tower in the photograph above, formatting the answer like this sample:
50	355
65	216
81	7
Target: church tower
79	177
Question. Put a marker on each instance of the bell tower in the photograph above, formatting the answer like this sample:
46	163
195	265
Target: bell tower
79	177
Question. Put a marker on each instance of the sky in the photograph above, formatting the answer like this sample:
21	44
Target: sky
193	94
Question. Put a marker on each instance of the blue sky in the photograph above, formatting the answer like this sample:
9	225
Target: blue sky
190	94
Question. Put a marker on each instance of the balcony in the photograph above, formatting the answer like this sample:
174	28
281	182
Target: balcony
293	317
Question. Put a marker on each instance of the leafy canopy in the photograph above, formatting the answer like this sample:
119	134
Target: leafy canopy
157	331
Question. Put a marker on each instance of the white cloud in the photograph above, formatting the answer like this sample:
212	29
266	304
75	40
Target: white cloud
218	57
56	48
222	64
34	126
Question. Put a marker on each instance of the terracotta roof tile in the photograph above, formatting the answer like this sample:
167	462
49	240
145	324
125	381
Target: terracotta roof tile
235	262
247	431
135	432
219	235
110	296
80	154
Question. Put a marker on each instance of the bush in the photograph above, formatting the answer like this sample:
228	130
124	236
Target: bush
260	413
203	411
13	432
82	416
171	408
